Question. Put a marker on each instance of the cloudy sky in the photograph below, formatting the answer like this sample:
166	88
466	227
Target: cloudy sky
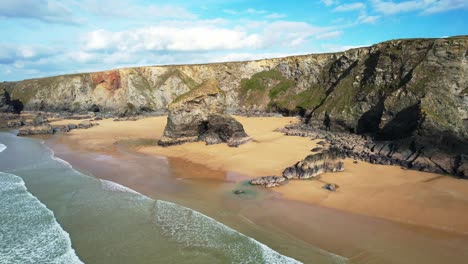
51	37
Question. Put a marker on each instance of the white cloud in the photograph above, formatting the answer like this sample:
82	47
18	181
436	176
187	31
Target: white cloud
256	11
170	38
329	35
275	16
423	6
42	10
365	19
288	33
129	9
339	48
349	7
328	2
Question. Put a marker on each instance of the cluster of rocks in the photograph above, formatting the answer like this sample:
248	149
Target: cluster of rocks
39	124
198	115
311	167
407	153
127	118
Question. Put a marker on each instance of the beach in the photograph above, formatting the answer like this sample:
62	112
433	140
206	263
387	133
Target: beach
398	204
419	198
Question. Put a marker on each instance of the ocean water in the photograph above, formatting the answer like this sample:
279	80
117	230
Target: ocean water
51	213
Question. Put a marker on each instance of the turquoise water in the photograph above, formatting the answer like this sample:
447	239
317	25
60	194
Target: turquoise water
52	213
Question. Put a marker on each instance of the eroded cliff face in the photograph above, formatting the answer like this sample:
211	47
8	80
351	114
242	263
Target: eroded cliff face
391	90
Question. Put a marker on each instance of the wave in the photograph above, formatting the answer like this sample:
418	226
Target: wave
193	229
115	187
2	147
29	232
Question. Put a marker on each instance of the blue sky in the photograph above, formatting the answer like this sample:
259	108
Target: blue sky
46	37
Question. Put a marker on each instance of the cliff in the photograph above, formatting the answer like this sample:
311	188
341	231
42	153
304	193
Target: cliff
391	90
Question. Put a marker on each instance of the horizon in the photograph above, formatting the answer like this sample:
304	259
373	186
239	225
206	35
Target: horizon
47	38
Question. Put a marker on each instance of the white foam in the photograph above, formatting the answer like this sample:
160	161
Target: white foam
115	187
194	229
2	147
68	165
29	232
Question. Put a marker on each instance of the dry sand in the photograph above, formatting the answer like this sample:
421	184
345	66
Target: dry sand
389	192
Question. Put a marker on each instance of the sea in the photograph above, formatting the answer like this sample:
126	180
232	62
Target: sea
47	208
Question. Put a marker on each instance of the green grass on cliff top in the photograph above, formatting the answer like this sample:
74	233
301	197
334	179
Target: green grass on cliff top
258	83
206	88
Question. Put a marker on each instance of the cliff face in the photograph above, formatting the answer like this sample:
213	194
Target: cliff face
391	90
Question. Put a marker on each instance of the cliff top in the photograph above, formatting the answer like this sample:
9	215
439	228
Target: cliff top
258	60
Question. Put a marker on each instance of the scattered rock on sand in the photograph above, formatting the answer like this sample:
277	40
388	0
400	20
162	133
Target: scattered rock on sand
330	187
268	181
35	130
239	191
85	124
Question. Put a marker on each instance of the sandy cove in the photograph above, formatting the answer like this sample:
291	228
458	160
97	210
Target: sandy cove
388	192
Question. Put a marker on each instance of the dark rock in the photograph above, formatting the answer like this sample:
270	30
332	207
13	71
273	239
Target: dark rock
316	149
15	123
72	126
198	115
85	125
268	181
35	130
315	164
239	191
60	128
330	187
321	143
222	128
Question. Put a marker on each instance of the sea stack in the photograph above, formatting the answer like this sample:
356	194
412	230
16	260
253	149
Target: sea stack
199	115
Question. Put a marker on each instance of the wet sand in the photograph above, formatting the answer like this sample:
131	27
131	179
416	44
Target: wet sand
203	178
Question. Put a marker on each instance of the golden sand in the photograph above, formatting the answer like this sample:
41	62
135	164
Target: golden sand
388	192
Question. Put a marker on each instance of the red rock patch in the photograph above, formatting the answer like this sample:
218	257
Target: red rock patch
109	80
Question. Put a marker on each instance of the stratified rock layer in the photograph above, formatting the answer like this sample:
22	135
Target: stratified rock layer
312	166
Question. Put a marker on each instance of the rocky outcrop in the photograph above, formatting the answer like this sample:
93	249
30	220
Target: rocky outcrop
330	160
36	130
4	100
269	181
312	166
198	115
394	91
220	128
411	152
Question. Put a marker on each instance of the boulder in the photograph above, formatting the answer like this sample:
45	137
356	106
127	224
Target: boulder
15	123
268	181
60	128
35	130
85	125
219	128
72	126
198	115
330	187
315	164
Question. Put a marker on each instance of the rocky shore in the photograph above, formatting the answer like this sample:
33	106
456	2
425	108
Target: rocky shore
38	123
311	167
409	153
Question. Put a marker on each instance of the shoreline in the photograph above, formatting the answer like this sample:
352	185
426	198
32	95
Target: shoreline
256	158
293	226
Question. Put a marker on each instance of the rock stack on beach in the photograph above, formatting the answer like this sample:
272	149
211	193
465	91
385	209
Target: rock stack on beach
198	115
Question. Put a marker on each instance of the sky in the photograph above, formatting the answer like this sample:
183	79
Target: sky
51	37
